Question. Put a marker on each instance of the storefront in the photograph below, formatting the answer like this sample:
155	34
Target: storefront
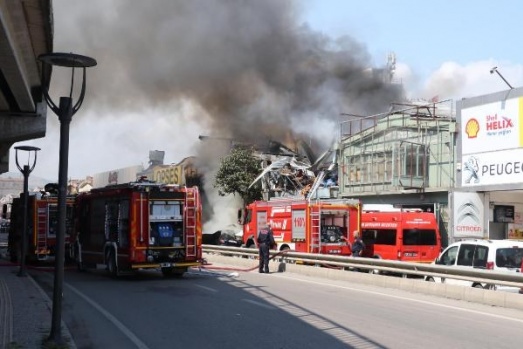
488	198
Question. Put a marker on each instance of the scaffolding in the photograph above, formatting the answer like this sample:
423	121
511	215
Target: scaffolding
411	148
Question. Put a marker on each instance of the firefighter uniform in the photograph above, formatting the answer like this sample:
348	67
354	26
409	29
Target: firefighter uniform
265	241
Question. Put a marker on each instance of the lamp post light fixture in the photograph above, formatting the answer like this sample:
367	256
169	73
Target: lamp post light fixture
495	70
65	112
26	170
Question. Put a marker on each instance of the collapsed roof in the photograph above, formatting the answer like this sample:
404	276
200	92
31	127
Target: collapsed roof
290	174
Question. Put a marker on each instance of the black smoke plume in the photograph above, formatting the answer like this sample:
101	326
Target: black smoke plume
252	67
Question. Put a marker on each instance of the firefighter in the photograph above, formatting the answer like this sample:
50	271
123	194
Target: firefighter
358	246
265	242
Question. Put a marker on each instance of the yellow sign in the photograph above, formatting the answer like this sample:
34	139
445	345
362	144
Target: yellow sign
169	175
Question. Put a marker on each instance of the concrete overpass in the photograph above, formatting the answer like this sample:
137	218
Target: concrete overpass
26	31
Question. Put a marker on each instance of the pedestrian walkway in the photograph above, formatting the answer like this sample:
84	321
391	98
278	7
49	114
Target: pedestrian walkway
25	310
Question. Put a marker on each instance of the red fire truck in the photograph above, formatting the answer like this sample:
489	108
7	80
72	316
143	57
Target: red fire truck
300	225
139	225
400	234
42	226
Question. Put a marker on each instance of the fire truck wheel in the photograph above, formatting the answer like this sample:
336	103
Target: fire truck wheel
430	279
111	264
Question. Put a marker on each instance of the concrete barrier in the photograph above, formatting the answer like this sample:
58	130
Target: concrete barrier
470	294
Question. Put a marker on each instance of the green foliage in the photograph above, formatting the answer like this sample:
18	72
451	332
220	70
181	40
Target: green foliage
236	173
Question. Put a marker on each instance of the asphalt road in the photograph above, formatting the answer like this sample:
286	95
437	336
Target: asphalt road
224	309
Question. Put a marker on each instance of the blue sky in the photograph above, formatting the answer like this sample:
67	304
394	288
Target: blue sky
444	49
426	34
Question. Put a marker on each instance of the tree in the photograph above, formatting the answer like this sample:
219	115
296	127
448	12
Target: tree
237	172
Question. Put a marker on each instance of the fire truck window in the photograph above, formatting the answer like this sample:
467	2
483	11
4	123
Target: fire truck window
96	225
419	237
427	237
69	220
111	221
385	237
53	220
368	236
123	223
165	209
465	254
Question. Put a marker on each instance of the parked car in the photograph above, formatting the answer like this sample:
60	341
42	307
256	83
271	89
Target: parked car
498	255
224	237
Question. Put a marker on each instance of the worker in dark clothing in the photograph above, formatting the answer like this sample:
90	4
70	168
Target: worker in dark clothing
265	242
358	246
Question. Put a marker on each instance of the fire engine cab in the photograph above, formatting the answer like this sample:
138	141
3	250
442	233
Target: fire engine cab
302	225
42	226
400	234
139	225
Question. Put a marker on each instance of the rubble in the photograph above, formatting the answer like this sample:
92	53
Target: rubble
286	176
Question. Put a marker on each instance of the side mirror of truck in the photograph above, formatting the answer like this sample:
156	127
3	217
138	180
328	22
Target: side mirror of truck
241	218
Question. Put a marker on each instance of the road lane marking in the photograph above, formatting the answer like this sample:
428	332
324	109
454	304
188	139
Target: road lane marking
132	337
206	288
260	304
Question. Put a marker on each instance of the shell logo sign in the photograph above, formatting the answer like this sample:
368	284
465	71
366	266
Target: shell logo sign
472	128
492	126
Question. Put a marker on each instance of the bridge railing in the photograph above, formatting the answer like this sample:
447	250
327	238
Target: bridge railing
491	277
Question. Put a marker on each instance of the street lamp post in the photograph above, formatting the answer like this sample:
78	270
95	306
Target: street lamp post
495	70
26	170
65	112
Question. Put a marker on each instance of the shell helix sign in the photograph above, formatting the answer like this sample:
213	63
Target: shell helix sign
169	175
492	143
492	126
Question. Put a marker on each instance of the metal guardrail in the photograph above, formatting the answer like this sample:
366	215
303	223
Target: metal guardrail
381	265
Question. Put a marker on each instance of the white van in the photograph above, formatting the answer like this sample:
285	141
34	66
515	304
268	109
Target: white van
498	255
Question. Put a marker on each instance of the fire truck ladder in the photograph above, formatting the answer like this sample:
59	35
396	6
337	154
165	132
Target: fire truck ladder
41	233
191	211
315	242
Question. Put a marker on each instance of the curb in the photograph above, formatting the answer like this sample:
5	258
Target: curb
66	334
6	309
6	315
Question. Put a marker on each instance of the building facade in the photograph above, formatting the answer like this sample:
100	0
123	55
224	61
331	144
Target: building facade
405	158
489	178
